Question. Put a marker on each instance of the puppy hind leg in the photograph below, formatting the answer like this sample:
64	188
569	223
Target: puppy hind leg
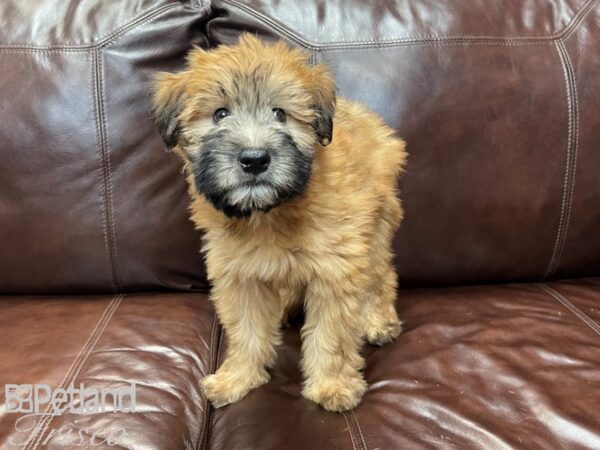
250	313
381	320
381	323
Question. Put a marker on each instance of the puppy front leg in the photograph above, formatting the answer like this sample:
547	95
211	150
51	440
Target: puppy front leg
250	313
331	339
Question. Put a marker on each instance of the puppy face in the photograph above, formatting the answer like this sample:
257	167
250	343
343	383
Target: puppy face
246	119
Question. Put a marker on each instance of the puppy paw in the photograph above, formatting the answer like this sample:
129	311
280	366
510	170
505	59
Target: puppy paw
383	333
223	388
337	394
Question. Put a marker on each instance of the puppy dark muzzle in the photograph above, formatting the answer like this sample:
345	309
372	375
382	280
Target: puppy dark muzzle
254	160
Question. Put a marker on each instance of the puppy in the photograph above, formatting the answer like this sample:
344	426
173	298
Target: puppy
296	204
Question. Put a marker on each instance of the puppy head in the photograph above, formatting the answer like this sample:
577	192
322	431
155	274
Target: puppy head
246	119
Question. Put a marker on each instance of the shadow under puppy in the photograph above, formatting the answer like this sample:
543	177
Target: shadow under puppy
297	205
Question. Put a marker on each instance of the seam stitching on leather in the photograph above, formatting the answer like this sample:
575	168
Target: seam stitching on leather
350	429
36	429
342	45
214	369
413	40
577	19
313	58
107	203
150	17
215	342
571	162
446	43
575	156
75	369
360	433
576	146
110	205
101	166
82	361
571	307
221	337
550	266
141	18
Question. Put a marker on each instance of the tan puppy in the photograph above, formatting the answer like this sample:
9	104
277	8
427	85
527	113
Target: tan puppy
297	206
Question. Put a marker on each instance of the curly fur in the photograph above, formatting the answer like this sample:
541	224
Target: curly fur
317	228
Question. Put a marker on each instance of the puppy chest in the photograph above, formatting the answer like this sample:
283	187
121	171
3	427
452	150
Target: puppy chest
266	262
278	265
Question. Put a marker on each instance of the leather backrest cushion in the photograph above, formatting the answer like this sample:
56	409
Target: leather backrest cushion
498	102
90	201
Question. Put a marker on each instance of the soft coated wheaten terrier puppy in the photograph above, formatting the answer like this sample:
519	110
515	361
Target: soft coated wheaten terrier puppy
297	205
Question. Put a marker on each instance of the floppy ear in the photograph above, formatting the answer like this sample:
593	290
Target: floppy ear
167	106
324	104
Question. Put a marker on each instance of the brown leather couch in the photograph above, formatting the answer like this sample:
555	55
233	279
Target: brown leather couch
499	252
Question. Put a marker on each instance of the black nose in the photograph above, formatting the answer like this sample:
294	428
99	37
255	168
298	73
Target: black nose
254	161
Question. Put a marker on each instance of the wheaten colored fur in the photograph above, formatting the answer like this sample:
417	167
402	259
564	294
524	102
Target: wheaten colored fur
330	246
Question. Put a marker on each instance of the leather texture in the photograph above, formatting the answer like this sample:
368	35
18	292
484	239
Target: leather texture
162	342
498	102
487	176
505	366
511	366
90	201
501	182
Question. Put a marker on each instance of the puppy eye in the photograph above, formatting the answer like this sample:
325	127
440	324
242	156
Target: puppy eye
279	114
220	114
